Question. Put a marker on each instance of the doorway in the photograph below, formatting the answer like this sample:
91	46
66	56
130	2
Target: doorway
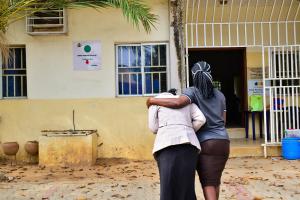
229	74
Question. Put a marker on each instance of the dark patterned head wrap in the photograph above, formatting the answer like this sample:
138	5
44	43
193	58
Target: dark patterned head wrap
202	79
172	91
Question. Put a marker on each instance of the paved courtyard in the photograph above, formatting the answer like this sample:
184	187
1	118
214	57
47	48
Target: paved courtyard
112	179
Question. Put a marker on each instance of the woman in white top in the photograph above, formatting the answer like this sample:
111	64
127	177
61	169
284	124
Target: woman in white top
176	148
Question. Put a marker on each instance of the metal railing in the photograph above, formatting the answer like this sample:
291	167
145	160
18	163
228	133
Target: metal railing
281	79
248	23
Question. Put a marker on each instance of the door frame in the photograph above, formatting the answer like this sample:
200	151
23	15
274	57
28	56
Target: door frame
244	87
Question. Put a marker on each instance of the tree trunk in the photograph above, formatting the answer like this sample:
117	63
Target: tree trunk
177	11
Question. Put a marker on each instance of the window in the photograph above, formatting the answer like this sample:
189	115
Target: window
286	69
141	69
285	64
14	83
51	21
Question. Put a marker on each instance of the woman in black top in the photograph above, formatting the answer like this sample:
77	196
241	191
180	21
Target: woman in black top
212	136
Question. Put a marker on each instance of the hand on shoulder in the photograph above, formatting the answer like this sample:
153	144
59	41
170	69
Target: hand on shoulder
149	102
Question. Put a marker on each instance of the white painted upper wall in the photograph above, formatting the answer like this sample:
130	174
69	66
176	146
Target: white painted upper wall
50	73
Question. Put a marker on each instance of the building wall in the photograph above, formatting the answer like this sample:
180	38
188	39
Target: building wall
49	58
121	123
55	89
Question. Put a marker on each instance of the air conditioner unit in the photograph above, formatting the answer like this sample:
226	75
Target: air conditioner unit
52	21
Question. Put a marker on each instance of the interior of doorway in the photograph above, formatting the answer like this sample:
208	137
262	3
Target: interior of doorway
229	74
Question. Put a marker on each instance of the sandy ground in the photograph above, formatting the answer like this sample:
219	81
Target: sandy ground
243	179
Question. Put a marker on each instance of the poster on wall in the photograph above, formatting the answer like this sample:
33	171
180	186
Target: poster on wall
86	55
255	88
255	73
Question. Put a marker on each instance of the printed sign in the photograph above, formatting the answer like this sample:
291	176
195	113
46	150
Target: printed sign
255	73
255	87
86	55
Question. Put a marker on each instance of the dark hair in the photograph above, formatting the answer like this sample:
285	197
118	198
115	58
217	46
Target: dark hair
202	79
172	91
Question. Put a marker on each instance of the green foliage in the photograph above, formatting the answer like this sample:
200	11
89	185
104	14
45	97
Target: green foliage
135	11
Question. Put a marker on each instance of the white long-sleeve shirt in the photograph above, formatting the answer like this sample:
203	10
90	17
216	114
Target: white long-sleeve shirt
175	126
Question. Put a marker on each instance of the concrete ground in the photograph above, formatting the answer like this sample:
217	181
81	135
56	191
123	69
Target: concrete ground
112	179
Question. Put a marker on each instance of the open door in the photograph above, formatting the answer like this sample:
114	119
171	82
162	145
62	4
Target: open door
228	71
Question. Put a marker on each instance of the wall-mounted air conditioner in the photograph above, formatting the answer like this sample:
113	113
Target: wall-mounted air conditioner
52	21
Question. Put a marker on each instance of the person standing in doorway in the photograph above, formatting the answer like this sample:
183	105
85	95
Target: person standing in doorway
176	147
212	136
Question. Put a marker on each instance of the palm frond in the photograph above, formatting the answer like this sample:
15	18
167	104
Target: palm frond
4	51
135	11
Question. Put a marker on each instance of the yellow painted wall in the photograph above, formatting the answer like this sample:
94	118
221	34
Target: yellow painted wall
55	89
50	71
121	123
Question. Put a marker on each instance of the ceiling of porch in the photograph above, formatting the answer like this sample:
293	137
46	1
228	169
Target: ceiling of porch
230	11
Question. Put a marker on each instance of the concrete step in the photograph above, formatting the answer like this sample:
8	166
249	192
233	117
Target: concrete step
236	151
250	148
236	133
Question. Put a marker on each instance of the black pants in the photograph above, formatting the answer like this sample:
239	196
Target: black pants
177	166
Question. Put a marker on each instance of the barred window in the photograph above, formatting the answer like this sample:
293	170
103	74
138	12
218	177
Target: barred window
285	69
285	64
14	82
141	69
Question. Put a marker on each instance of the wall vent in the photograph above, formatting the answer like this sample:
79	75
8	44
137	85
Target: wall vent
52	21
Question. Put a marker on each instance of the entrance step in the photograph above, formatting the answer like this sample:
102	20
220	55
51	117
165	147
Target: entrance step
250	148
236	133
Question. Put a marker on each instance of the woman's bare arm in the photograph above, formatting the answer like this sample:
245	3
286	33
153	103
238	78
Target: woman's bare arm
169	103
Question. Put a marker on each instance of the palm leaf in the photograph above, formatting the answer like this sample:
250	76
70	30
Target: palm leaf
135	11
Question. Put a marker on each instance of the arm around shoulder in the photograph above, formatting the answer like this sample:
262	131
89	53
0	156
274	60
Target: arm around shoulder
169	102
153	118
198	117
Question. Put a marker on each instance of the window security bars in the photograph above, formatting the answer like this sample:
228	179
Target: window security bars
281	100
236	23
271	25
52	21
141	69
14	81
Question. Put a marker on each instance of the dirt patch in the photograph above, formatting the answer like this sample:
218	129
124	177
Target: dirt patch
117	178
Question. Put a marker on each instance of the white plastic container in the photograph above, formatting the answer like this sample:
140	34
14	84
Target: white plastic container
292	133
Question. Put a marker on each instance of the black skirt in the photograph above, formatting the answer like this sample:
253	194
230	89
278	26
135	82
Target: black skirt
212	160
177	168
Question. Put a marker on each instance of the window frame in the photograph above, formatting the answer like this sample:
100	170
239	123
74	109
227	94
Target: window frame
62	26
2	75
141	44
